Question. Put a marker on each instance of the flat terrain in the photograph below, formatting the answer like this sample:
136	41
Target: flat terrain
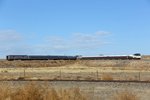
94	90
76	70
82	71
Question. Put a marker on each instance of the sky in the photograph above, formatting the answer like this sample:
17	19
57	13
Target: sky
74	27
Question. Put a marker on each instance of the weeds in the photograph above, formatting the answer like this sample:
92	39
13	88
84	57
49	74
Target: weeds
125	95
34	63
33	91
4	92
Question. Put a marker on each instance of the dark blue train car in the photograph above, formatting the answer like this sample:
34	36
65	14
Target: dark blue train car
39	57
17	57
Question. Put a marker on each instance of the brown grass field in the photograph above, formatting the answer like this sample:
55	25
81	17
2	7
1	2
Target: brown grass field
71	70
76	70
35	91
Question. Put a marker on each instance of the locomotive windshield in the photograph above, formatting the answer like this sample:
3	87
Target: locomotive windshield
137	54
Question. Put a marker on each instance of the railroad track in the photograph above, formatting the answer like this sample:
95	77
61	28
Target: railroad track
112	81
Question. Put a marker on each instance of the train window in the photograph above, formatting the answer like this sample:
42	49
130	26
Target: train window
137	54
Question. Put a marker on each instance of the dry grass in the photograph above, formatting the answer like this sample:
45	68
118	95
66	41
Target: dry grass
146	57
34	91
107	77
4	92
118	64
34	63
125	95
121	64
79	69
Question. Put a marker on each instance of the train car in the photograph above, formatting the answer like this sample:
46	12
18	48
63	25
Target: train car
104	58
39	57
52	57
17	57
136	56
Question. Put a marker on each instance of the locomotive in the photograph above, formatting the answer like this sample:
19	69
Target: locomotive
136	56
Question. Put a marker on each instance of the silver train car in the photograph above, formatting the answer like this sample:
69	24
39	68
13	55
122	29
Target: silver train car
136	56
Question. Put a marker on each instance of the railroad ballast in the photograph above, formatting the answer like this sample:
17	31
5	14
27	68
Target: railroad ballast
136	56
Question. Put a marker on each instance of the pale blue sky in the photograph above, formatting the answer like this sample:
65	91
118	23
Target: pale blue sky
70	27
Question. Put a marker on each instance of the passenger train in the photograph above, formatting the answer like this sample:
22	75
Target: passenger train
136	56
